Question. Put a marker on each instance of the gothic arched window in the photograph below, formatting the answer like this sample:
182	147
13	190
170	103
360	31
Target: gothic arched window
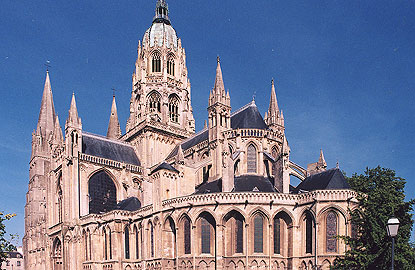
102	193
109	243
251	159
174	109
85	240
127	242
308	233
187	236
170	66
258	234
331	232
151	239
89	244
205	233
274	154
137	242
156	62
277	236
154	102
59	195
105	244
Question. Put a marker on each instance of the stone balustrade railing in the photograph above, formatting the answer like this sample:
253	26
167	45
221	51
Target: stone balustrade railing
259	133
111	163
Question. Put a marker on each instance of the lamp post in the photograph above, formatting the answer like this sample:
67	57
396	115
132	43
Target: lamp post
392	228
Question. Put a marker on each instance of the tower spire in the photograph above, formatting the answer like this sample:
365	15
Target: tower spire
219	87
46	122
114	130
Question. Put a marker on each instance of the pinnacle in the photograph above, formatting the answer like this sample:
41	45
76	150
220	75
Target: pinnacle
273	104
219	87
321	159
114	130
73	112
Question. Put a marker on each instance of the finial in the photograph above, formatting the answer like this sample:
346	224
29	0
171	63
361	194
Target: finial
253	97
337	164
272	81
113	91
218	59
47	65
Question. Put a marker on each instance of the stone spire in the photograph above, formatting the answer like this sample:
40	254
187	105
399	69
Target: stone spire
57	132
46	122
218	93
321	161
73	113
114	130
274	116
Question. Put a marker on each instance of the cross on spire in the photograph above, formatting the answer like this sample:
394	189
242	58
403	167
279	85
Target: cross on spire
47	65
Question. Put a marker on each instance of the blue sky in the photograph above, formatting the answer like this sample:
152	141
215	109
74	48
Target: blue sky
344	73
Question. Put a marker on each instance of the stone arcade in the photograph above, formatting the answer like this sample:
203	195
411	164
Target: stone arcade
163	197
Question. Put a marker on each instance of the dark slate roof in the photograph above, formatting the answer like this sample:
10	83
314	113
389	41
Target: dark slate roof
199	137
248	117
130	204
243	183
253	182
103	147
330	179
165	166
14	254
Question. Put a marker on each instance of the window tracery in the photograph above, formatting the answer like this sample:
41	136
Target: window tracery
258	234
331	232
156	62
154	102
174	109
170	66
251	159
102	193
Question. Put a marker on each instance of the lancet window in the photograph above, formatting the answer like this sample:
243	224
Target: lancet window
331	232
154	102
151	239
308	233
251	159
170	66
127	242
187	236
137	242
258	234
205	234
277	236
174	109
156	62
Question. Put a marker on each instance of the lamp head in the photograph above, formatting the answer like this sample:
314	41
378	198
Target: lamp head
392	227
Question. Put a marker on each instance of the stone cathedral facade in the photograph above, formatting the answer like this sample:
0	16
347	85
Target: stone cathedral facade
161	196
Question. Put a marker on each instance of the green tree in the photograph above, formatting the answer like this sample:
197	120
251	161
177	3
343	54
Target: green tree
381	196
5	245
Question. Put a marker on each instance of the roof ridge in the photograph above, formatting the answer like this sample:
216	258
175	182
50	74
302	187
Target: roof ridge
252	103
97	136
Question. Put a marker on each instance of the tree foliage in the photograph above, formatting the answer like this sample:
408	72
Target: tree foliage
5	245
381	196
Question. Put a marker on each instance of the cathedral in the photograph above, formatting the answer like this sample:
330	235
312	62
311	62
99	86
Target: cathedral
161	196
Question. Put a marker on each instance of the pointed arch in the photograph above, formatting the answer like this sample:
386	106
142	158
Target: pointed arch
234	223
154	101
251	158
283	234
174	102
185	234
171	64
169	238
102	192
127	242
155	61
331	222
206	230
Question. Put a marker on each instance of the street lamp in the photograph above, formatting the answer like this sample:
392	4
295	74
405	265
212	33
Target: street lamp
392	228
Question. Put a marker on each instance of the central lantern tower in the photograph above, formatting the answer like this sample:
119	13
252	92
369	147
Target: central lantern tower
160	107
